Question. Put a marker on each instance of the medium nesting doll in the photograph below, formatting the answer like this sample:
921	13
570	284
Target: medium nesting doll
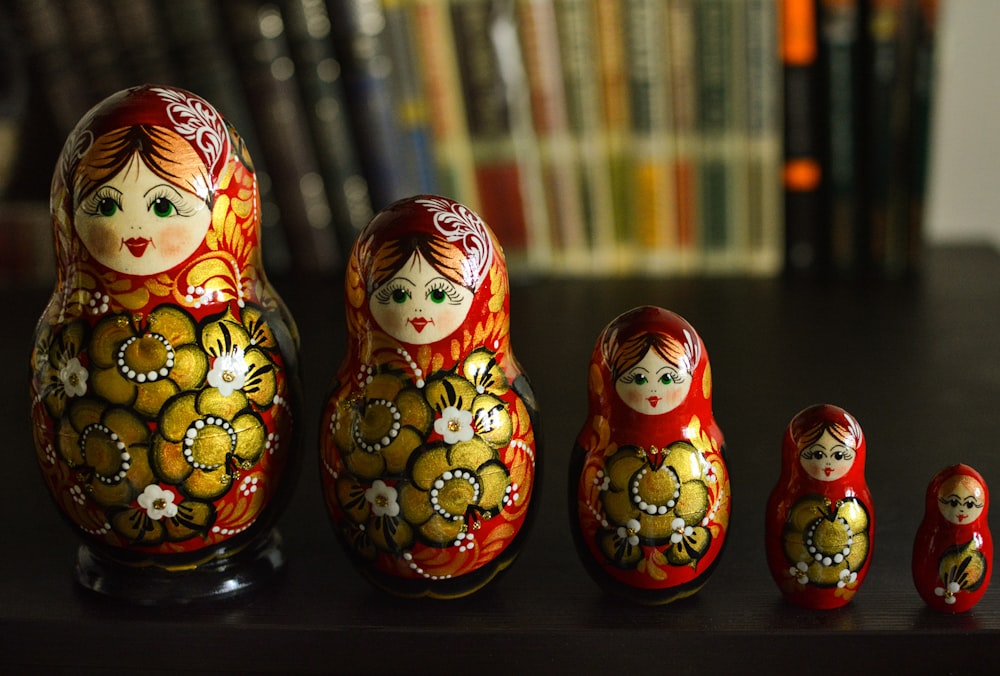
428	446
819	522
648	487
163	372
953	548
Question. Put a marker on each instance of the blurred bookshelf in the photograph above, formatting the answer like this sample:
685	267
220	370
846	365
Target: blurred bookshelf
597	137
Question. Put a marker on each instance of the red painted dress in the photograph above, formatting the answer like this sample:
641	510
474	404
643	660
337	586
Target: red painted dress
819	521
648	487
953	548
163	370
428	449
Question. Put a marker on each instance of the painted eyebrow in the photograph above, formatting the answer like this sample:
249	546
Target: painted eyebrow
169	187
439	278
402	279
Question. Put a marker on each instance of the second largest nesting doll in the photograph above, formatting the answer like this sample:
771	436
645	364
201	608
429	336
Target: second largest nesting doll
428	444
649	488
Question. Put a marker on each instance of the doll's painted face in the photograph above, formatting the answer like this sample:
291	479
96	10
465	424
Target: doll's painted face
138	223
960	500
827	458
653	386
419	305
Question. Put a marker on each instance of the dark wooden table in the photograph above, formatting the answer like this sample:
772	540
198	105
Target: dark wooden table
917	363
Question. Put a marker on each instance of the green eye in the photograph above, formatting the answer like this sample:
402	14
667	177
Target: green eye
639	379
400	295
107	206
666	379
438	296
163	207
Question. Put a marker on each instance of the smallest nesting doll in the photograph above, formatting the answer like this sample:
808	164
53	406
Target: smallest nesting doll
819	520
953	549
648	486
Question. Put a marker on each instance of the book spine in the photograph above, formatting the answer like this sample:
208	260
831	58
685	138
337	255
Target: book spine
437	64
885	132
763	85
95	44
495	91
410	99
615	96
539	37
361	45
655	217
839	22
268	74
925	46
140	34
717	180
54	68
319	79
681	58
802	173
578	34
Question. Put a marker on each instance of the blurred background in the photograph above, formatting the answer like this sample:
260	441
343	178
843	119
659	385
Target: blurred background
807	138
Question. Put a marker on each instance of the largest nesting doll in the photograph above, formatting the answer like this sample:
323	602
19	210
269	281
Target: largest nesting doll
428	439
648	487
163	372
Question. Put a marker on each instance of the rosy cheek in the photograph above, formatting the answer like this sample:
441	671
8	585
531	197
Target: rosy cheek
635	397
175	242
102	240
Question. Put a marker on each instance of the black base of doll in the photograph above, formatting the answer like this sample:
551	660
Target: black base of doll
155	583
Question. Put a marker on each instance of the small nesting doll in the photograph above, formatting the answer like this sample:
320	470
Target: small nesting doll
163	370
648	487
428	448
819	521
953	549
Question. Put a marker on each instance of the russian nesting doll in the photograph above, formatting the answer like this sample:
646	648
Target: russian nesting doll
649	487
819	522
164	366
428	440
953	548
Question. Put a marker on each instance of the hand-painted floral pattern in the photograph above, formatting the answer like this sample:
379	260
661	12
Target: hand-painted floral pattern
663	493
425	464
962	568
141	364
57	361
145	438
826	543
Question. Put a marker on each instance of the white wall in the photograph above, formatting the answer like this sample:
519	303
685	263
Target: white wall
964	191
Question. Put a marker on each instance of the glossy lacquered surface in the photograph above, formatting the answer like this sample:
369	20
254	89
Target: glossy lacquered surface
428	445
164	372
953	549
648	484
916	364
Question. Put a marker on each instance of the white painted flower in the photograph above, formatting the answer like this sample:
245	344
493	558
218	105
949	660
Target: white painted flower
846	578
157	502
949	593
229	372
382	498
800	572
454	425
74	378
630	531
680	530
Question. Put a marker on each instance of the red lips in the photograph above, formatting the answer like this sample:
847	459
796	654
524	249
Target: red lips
137	245
419	323
653	401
